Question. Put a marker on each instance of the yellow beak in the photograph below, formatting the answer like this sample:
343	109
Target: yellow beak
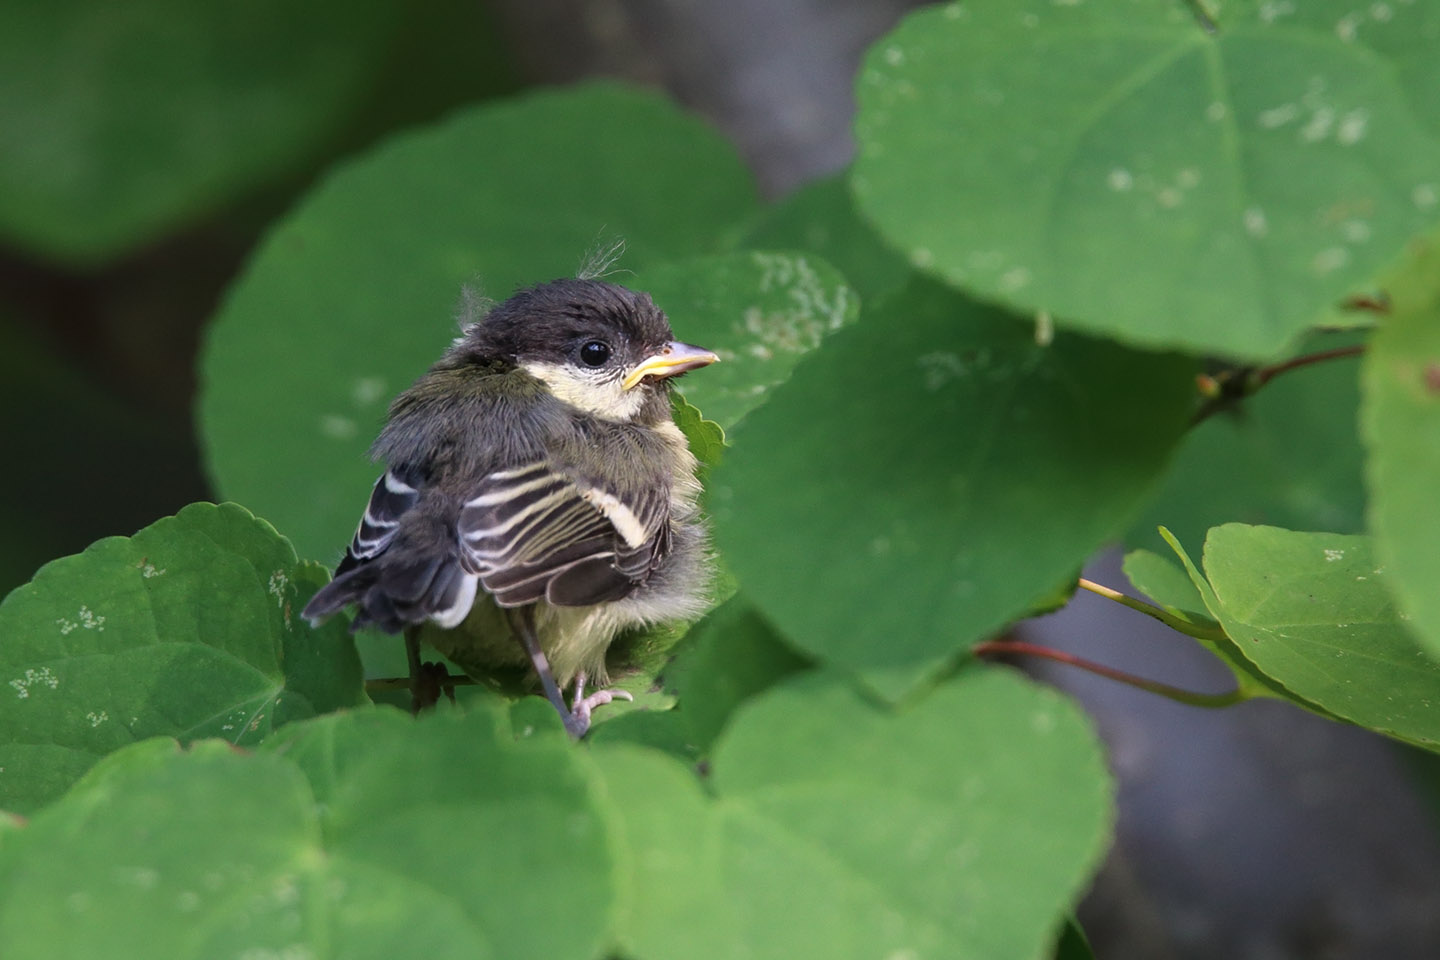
674	360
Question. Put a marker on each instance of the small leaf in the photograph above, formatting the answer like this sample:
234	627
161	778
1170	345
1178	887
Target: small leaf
191	628
1166	584
1146	177
962	827
879	510
1314	612
820	217
761	311
353	296
1401	420
707	438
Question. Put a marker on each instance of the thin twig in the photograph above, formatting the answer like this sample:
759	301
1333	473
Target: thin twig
1179	695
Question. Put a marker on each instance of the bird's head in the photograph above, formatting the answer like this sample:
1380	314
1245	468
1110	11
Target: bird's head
600	347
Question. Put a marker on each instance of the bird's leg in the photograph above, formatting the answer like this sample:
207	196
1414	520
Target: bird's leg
522	620
582	706
425	685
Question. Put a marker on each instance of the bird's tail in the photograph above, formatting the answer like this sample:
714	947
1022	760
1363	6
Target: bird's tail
392	595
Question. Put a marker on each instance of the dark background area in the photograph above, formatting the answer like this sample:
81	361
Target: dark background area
1257	832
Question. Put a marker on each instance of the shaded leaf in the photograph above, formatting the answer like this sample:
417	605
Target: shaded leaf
1289	456
190	628
1146	178
962	827
894	528
351	297
1401	419
123	121
725	659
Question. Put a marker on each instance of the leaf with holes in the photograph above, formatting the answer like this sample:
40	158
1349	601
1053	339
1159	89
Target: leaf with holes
191	628
1150	175
761	311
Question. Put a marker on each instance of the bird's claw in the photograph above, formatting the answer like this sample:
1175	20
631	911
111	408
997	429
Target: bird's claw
579	720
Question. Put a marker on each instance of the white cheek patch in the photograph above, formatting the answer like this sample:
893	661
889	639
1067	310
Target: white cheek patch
602	397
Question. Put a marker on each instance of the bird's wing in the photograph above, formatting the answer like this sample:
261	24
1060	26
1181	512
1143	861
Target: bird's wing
534	532
395	492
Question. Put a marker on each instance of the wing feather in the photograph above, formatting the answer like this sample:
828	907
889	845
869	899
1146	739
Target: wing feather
533	532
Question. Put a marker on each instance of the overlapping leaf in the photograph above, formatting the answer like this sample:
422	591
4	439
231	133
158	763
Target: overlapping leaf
1147	173
362	835
949	472
191	628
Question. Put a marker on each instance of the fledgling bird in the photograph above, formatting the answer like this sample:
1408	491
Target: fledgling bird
538	499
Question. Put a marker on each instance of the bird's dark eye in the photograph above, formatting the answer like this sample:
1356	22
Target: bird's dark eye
594	353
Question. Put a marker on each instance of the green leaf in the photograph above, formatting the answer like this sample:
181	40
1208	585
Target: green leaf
820	217
191	628
1250	681
1166	584
1073	945
1146	178
1288	456
725	659
1314	612
880	509
123	121
359	835
963	827
351	298
760	311
706	437
1401	422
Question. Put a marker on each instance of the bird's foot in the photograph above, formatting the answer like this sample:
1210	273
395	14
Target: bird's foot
428	683
582	706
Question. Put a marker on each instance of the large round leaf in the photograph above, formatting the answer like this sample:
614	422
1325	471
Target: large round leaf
1148	175
931	473
352	297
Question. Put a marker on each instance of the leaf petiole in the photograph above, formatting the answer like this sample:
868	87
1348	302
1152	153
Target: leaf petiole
1179	624
1178	694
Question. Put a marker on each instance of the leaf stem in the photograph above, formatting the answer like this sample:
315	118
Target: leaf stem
1228	387
1177	694
1178	624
